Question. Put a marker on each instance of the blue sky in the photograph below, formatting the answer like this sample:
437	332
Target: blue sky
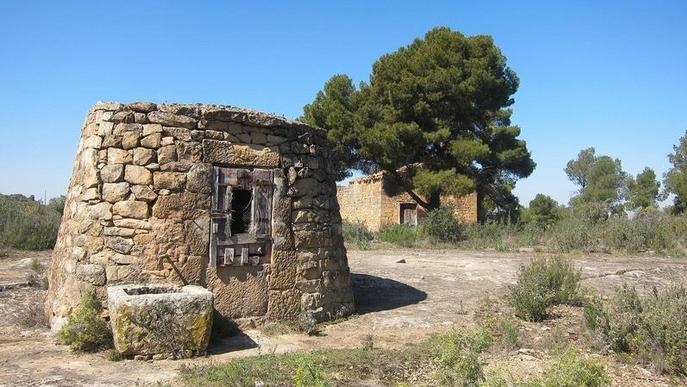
607	74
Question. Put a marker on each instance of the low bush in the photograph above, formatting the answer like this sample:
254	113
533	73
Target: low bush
398	234
357	234
440	225
85	330
544	282
654	328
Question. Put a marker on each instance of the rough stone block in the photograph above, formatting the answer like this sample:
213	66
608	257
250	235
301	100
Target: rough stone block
131	209
112	173
173	181
115	192
169	119
160	319
130	140
234	154
144	156
152	141
167	154
135	174
118	156
143	192
91	273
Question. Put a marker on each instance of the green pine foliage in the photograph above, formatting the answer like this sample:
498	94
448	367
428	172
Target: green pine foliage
439	106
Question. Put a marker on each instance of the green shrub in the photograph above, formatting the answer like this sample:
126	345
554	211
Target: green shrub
357	234
649	229
458	356
85	330
441	225
544	282
398	234
570	369
571	234
654	328
663	330
27	224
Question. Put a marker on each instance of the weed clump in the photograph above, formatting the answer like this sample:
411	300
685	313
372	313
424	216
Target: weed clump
571	369
544	282
398	234
357	234
114	355
85	330
458	356
32	316
309	373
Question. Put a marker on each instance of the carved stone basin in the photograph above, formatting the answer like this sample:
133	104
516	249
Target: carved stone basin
163	320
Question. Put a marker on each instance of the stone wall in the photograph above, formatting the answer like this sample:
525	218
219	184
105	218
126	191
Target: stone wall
375	201
138	211
361	202
465	207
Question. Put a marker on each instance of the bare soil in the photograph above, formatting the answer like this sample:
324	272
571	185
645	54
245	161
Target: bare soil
399	303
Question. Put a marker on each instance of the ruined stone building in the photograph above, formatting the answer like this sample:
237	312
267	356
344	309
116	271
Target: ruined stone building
236	201
378	200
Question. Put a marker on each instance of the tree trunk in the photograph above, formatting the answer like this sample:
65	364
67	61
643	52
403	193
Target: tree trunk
434	200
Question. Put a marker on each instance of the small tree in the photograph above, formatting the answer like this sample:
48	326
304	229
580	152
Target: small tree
642	191
543	211
675	180
601	179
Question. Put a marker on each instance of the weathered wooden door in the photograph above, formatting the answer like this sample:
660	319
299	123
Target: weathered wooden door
241	216
408	214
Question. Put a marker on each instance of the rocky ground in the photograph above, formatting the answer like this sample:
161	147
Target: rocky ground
403	296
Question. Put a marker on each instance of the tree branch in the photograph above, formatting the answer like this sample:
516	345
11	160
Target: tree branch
406	187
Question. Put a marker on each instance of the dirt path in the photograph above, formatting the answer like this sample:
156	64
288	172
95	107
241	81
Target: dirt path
397	303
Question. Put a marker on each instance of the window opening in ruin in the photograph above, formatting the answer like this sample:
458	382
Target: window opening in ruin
241	216
408	214
241	201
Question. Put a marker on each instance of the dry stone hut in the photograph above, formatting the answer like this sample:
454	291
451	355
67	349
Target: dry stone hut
378	200
237	201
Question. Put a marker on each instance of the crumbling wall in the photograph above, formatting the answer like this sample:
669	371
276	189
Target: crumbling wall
138	210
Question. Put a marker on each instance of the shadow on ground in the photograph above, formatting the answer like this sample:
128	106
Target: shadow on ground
374	294
236	342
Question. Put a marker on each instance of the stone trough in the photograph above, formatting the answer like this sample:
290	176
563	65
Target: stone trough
160	321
